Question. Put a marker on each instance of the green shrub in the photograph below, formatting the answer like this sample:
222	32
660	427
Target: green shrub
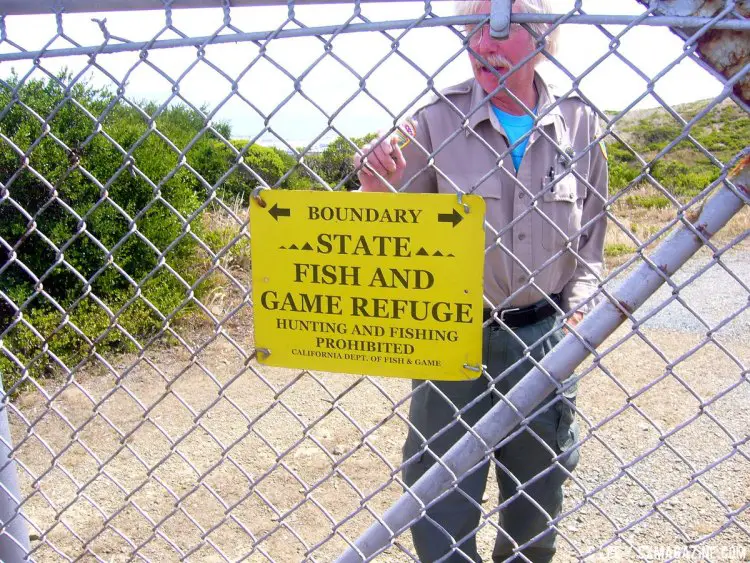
264	163
655	134
616	249
620	153
623	166
275	167
137	213
621	175
728	137
684	170
648	201
336	163
682	179
97	232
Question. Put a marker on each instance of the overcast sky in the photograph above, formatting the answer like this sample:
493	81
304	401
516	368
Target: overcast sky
395	83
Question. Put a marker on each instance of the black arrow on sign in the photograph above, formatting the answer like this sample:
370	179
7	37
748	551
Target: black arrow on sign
454	217
277	211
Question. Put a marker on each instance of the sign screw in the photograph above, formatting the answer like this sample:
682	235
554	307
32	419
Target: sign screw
256	196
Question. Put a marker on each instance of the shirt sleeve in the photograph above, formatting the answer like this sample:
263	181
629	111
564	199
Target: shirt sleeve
419	176
585	280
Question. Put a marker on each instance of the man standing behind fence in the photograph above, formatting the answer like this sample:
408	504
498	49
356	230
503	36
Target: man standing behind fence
532	157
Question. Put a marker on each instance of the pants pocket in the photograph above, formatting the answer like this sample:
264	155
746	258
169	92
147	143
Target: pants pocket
568	434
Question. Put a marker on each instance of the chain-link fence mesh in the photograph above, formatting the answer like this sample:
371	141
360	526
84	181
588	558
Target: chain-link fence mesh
142	425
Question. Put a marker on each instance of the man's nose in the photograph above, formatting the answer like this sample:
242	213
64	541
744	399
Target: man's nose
486	43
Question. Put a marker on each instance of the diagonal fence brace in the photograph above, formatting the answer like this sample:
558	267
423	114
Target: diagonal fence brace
598	325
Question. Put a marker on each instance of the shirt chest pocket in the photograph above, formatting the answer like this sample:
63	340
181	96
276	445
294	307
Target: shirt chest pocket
487	186
561	209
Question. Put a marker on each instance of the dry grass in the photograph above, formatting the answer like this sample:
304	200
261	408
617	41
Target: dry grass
638	224
226	233
229	451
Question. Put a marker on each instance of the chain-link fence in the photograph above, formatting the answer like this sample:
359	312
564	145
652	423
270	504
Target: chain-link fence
143	426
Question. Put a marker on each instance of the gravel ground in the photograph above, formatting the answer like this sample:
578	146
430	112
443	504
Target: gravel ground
206	456
714	291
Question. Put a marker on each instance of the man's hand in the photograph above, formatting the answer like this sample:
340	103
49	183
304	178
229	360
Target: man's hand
573	320
384	157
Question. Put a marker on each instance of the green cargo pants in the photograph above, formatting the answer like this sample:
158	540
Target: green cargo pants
448	531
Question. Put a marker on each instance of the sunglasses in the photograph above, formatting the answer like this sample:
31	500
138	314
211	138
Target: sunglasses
474	36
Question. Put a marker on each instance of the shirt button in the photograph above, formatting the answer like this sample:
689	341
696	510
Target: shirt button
522	195
521	236
521	279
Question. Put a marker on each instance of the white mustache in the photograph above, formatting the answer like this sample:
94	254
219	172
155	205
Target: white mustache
495	61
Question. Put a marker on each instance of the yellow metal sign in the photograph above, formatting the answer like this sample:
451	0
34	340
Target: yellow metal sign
369	283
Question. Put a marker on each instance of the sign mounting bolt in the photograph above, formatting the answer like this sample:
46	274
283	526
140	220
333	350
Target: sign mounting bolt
256	196
461	202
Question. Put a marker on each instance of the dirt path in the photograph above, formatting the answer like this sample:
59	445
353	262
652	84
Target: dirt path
205	456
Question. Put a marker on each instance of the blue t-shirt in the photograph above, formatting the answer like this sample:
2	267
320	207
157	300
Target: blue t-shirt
515	127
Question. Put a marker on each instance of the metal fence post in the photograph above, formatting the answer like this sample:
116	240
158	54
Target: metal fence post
14	535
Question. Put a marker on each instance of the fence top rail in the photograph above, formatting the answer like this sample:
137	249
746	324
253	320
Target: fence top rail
15	7
238	37
30	7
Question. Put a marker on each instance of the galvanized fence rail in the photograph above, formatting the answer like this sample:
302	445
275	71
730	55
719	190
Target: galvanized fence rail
141	425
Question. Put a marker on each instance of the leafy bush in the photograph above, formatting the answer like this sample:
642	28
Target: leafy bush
623	166
261	164
275	167
101	200
618	152
655	134
620	175
683	180
727	137
95	232
336	163
683	171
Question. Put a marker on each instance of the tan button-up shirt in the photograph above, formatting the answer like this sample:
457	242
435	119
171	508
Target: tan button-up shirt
545	226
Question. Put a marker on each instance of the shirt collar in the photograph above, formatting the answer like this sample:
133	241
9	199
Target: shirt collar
549	115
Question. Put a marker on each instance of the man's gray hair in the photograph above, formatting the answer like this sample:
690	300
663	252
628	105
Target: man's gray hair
466	7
